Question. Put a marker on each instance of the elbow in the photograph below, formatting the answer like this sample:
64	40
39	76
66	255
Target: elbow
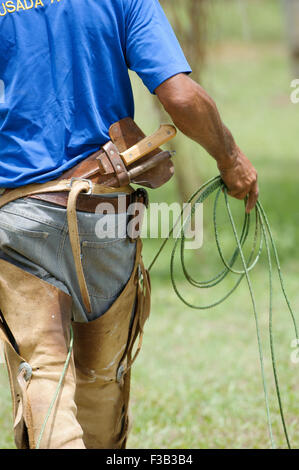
178	95
180	105
181	102
184	100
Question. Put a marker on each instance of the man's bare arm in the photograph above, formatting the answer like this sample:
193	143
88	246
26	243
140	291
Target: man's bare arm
195	114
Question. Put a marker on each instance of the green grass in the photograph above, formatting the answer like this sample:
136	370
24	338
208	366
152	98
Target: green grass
6	440
197	381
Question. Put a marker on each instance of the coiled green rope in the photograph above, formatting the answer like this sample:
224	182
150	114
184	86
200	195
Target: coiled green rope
264	235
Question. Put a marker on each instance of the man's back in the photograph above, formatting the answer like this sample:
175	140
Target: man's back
64	65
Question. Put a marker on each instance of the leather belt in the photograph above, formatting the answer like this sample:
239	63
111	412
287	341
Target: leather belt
87	202
90	203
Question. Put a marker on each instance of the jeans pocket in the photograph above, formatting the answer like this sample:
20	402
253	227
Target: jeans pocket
18	242
107	266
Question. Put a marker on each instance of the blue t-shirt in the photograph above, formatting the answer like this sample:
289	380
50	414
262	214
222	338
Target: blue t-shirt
64	77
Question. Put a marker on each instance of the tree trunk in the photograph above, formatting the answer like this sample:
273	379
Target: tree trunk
188	20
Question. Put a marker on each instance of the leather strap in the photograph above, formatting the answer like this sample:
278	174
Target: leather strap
54	186
120	170
77	188
117	204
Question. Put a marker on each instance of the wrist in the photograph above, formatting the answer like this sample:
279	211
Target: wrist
228	160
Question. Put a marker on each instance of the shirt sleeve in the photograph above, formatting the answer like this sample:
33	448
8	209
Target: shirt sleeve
152	49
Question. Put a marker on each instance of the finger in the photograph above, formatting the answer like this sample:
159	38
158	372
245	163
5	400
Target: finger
252	198
238	195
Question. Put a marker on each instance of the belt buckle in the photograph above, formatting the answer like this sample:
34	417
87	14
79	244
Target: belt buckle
75	178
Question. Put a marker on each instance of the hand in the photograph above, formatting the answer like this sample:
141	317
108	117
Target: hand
240	178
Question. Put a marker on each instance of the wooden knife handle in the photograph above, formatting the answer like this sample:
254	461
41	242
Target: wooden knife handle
146	145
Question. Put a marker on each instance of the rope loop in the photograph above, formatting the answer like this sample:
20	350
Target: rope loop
262	237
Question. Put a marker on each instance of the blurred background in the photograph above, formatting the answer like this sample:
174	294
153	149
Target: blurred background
197	382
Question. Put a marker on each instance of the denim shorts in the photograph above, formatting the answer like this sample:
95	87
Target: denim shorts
34	237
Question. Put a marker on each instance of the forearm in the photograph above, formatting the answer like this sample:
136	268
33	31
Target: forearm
195	114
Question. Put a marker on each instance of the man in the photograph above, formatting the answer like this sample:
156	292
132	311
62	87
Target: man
64	65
